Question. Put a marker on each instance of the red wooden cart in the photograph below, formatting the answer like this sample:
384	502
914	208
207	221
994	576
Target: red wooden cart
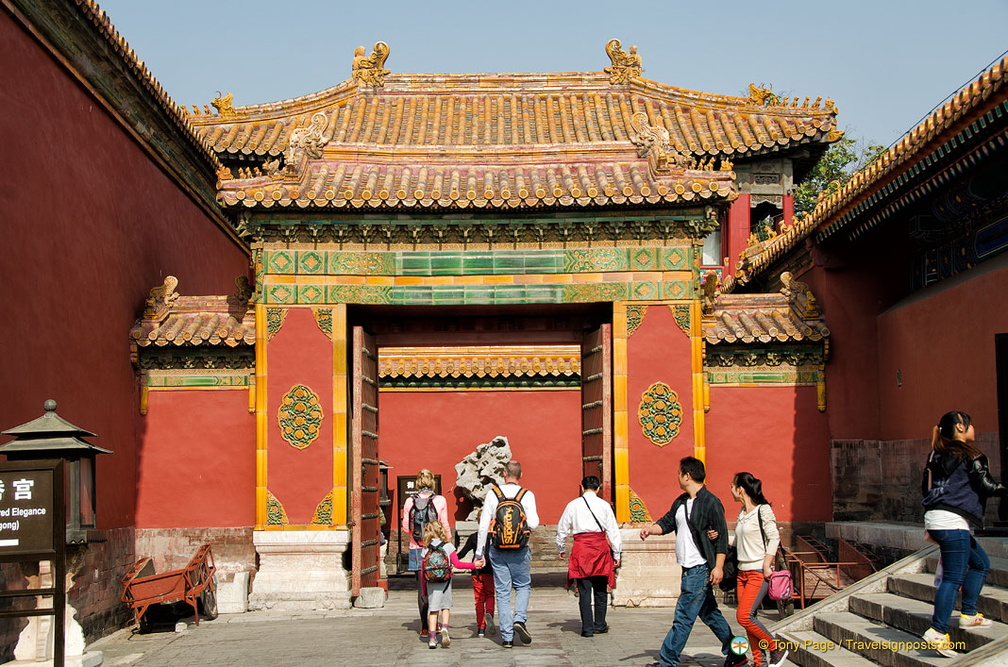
193	585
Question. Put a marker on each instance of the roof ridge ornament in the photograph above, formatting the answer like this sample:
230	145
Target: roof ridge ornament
802	301
653	142
223	105
370	70
625	66
161	298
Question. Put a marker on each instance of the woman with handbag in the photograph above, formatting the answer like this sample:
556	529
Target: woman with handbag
956	484
755	539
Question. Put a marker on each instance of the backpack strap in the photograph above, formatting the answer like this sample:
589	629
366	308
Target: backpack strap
497	492
520	495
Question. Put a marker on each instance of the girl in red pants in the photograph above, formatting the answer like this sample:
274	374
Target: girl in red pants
756	539
483	589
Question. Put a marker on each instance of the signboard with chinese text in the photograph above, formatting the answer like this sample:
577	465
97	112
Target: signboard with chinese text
28	511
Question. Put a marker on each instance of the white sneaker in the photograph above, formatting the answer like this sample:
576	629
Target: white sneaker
975	621
940	643
445	639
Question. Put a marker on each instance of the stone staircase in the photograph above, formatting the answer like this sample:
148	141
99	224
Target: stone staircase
880	620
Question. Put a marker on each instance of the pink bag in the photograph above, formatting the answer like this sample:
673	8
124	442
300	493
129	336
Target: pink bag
780	585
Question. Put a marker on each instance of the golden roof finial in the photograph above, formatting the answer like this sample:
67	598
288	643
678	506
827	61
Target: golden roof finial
223	105
625	66
369	70
762	97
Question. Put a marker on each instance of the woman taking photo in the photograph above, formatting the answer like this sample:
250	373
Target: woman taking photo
755	539
956	485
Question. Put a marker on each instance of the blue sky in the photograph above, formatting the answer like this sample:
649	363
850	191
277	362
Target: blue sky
886	63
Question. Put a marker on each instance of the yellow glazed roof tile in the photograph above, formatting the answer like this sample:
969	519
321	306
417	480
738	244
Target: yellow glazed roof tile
499	141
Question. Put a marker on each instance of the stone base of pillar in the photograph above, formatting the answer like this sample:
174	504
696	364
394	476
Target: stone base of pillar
301	570
89	659
648	575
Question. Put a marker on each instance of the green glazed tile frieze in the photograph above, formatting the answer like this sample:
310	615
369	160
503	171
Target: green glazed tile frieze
282	261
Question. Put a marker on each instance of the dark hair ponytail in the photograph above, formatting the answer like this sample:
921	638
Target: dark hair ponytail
943	436
752	486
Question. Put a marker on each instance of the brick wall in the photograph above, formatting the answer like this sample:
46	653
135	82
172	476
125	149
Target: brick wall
880	479
96	586
171	548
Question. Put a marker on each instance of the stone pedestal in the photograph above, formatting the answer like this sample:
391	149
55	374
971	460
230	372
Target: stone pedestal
301	570
649	575
37	642
232	596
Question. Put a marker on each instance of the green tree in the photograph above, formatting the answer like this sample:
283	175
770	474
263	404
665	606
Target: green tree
833	170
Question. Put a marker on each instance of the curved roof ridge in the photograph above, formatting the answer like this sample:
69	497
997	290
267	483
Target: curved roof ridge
100	19
965	100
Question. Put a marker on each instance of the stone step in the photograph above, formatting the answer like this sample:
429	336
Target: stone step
875	641
998	575
914	617
811	649
993	602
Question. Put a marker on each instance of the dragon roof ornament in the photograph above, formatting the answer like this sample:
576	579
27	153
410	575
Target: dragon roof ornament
370	70
625	66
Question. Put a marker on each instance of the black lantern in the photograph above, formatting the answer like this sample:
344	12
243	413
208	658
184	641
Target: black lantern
52	437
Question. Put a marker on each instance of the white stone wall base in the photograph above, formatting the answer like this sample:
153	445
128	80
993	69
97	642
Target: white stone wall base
648	575
301	570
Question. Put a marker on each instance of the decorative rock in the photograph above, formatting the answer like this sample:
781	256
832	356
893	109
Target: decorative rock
371	597
479	471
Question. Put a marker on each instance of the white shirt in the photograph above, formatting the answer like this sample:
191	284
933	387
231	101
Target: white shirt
577	518
944	520
686	552
748	538
490	510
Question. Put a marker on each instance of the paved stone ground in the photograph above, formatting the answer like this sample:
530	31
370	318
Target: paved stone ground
389	636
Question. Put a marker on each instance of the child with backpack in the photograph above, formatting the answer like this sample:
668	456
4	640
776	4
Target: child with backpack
483	588
420	509
438	558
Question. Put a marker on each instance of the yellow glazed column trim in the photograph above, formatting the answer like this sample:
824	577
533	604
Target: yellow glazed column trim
340	408
261	417
621	432
699	396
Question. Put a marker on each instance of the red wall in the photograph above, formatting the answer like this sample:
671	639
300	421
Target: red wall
436	430
197	466
300	354
942	341
777	434
658	351
738	230
90	225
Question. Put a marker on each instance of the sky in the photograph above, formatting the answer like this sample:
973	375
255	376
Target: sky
885	63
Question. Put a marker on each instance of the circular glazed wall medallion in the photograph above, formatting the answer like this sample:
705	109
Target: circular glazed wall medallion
660	414
300	416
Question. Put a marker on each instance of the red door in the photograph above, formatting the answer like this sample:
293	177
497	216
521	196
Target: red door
596	407
365	516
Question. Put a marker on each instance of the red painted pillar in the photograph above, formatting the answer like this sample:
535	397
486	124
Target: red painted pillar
738	230
788	210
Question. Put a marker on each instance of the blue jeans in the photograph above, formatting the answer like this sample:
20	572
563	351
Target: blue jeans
964	565
511	568
695	600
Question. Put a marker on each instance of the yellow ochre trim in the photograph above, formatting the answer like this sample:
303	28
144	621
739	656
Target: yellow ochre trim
621	429
699	396
262	420
340	413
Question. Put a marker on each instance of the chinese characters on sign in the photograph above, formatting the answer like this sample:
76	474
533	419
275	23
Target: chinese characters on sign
26	511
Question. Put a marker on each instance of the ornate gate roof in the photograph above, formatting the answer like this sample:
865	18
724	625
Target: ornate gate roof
500	141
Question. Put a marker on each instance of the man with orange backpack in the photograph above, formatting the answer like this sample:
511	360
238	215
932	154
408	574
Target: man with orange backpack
509	516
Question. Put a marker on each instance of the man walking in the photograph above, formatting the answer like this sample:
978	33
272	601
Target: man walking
594	556
692	514
509	516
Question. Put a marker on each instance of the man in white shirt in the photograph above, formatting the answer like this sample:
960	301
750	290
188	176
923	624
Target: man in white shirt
595	554
512	567
691	516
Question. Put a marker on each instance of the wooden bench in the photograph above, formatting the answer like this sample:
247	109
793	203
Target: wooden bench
194	585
